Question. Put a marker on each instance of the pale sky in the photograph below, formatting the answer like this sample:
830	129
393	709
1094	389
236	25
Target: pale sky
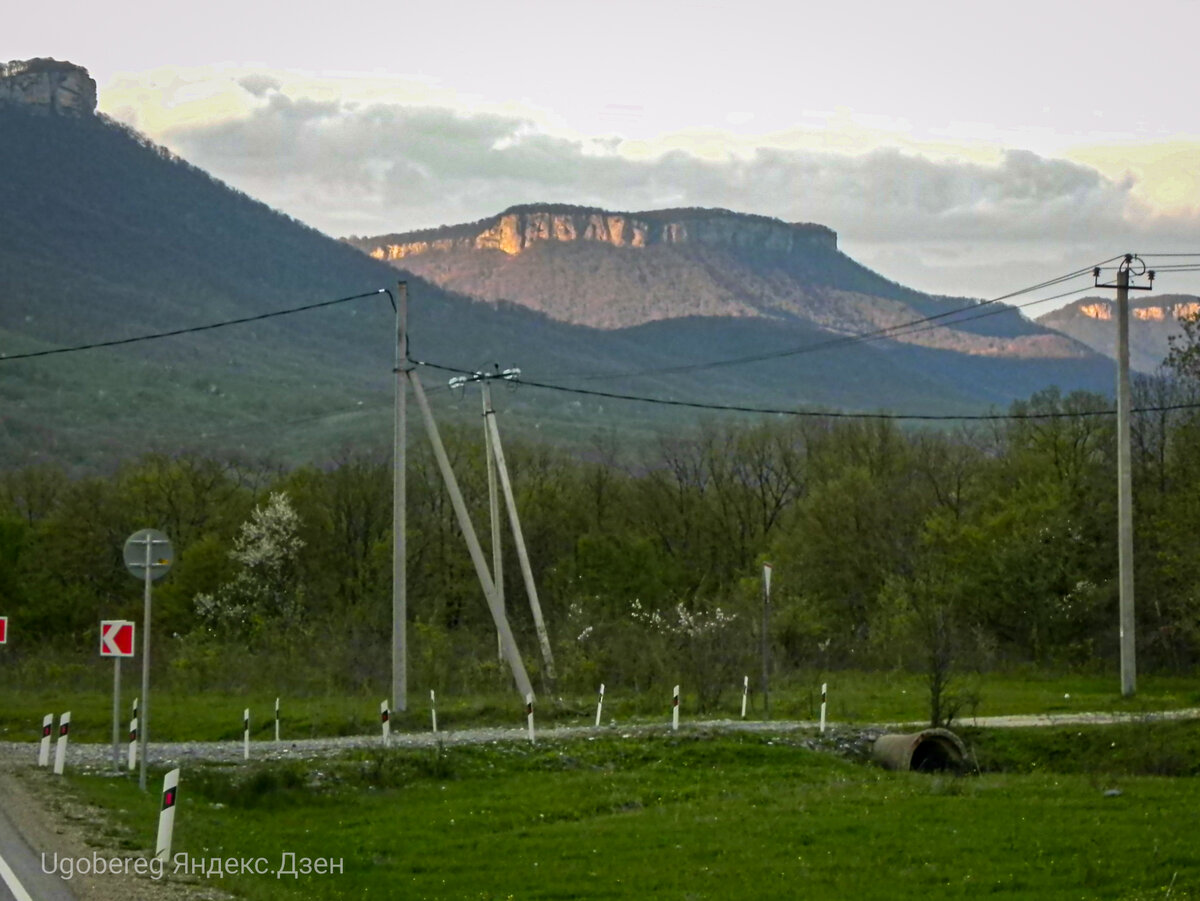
957	147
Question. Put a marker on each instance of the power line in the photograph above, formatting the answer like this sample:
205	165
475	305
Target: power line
192	329
816	414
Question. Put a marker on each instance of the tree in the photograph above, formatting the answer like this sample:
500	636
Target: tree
264	590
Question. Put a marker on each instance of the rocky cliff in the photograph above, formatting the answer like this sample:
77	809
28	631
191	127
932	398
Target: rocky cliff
519	228
1153	321
49	85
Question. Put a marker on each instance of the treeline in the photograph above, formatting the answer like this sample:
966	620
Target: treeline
985	546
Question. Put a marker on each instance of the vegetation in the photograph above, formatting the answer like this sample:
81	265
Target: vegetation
943	554
675	817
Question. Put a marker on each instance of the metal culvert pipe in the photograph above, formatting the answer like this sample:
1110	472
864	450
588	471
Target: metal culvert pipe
930	750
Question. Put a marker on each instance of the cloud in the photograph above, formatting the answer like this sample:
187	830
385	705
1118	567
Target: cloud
260	84
374	168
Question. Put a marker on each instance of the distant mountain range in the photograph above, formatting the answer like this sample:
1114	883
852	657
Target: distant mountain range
1153	321
107	237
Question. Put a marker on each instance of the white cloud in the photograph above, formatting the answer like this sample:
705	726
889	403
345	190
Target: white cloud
372	168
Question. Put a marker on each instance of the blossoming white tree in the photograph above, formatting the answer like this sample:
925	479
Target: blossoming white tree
267	551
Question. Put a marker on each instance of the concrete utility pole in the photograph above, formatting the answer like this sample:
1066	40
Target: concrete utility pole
766	641
495	450
1128	623
399	508
514	522
493	509
464	524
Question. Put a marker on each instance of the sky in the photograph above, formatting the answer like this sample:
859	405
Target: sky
959	148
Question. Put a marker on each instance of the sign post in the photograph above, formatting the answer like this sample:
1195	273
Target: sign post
116	641
148	556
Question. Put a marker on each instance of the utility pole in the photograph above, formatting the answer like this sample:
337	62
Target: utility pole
493	507
1128	622
468	531
766	641
496	450
399	511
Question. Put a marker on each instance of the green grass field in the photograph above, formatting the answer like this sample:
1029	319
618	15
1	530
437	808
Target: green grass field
695	815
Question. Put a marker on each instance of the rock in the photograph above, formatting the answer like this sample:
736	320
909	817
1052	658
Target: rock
48	85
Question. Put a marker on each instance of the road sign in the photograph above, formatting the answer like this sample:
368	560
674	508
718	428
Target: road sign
3	630
148	546
116	638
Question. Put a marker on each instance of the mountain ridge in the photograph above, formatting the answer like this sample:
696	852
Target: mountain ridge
580	265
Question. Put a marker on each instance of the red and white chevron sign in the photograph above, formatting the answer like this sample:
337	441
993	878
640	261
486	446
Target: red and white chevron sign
116	638
3	629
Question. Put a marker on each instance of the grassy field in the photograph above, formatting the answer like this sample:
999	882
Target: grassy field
1056	814
854	697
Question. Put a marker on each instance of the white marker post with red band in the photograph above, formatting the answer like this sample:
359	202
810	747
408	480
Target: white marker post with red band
745	693
133	744
133	737
824	686
385	717
246	734
433	709
599	705
47	731
277	720
60	750
3	630
166	816
675	709
529	715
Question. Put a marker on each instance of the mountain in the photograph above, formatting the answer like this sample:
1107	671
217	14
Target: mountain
106	237
614	270
1153	321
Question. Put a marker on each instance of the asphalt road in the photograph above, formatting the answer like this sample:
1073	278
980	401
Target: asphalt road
21	875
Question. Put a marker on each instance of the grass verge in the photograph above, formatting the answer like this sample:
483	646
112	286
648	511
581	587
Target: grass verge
682	816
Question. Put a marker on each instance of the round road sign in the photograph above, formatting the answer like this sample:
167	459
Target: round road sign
149	546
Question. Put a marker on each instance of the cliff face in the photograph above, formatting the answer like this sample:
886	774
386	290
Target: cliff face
48	85
1153	321
1168	311
517	229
